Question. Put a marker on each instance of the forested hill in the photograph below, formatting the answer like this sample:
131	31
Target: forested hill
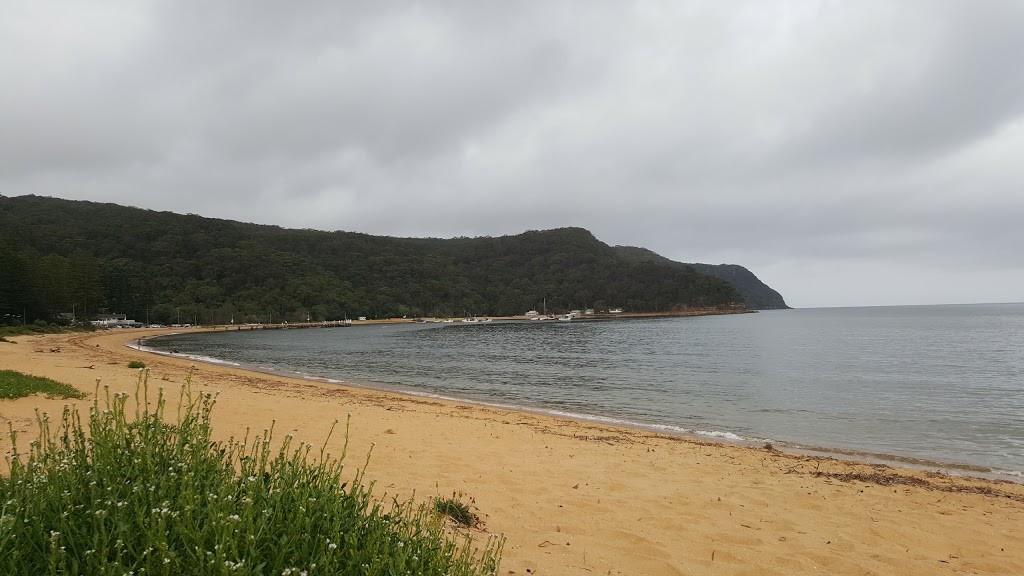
56	255
757	294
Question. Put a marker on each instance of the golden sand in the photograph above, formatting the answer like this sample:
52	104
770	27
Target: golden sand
580	498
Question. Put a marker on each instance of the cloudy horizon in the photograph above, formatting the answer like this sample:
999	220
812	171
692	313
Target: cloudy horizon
848	153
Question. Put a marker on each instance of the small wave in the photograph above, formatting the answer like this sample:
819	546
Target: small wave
312	378
208	359
717	434
1015	476
196	357
670	428
586	417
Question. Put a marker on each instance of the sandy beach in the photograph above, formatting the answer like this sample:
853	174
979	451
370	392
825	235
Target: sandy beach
580	498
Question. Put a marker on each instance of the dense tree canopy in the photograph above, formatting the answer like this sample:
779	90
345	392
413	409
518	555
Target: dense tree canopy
757	294
58	255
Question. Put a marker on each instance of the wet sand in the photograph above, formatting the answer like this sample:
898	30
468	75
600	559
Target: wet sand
581	498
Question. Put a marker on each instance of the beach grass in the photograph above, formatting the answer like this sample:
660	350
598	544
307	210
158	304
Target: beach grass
17	385
142	493
41	327
136	364
456	510
26	329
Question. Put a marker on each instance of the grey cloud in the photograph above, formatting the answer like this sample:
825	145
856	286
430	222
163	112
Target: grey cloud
930	88
394	83
821	144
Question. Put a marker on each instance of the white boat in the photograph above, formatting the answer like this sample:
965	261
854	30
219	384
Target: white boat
565	317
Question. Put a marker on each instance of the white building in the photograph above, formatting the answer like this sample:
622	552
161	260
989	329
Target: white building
114	321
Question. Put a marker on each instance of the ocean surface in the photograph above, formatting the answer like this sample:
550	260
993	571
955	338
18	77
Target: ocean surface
936	386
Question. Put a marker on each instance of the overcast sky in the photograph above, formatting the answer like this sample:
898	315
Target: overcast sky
848	153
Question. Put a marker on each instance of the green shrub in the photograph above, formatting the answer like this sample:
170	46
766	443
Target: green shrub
136	364
16	330
29	329
16	385
147	496
456	510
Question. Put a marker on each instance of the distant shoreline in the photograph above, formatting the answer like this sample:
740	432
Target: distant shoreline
429	319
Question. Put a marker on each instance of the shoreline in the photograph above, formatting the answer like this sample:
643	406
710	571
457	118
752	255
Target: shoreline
728	437
581	497
348	323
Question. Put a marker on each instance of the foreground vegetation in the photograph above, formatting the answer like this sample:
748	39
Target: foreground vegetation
63	256
144	495
41	327
17	385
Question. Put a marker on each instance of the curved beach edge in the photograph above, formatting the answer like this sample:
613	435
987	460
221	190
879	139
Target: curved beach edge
584	497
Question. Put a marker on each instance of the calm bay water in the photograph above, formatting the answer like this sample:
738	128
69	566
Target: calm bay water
939	384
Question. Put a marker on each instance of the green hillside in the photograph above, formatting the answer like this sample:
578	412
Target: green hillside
58	255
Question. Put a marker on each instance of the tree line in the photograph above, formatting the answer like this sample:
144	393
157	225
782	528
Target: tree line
59	256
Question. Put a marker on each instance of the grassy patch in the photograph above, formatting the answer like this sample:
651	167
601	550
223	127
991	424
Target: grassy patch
29	329
136	364
16	385
43	328
151	495
456	510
